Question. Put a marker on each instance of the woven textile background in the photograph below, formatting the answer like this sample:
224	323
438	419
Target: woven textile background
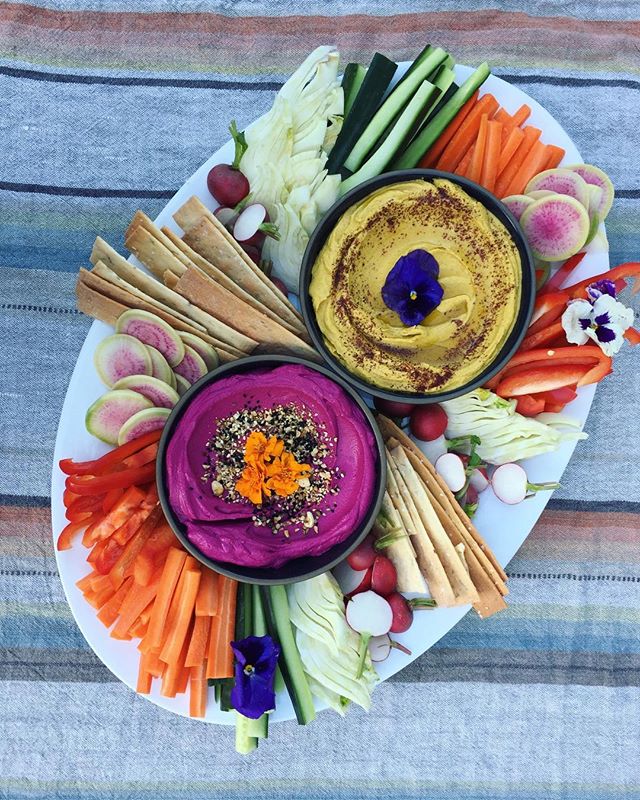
109	105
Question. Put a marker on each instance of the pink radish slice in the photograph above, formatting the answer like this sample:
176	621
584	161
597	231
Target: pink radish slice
509	482
120	355
107	415
228	185
350	580
556	227
428	423
182	384
160	368
479	479
158	392
247	226
207	352
226	215
594	176
368	613
151	419
562	181
383	576
364	555
150	329
192	366
380	648
516	203
451	468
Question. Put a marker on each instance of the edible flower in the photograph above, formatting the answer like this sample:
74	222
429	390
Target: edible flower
284	474
601	317
411	288
251	485
253	693
258	449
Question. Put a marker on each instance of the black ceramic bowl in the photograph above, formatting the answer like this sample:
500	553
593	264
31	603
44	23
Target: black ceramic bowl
298	569
491	203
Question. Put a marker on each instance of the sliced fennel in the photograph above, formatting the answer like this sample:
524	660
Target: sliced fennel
328	647
504	434
287	151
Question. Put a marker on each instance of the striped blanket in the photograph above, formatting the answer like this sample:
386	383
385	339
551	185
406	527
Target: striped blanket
108	106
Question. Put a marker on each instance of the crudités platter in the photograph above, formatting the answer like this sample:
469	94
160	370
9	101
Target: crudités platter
503	527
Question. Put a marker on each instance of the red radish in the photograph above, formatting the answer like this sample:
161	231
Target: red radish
479	479
402	610
226	215
352	581
380	647
451	468
280	285
369	615
428	422
383	576
253	225
393	408
225	181
511	485
253	252
364	555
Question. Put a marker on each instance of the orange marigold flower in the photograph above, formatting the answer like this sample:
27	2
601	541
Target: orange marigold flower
260	449
284	474
251	485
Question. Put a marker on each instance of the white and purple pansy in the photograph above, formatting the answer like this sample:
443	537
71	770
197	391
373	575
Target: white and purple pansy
601	318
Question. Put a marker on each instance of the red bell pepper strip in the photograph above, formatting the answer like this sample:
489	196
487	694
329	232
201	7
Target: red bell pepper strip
530	405
82	505
145	456
548	318
68	497
88	484
597	372
632	335
584	354
65	540
133	547
630	269
111	459
564	395
562	273
108	556
542	337
553	408
553	301
120	513
541	379
111	498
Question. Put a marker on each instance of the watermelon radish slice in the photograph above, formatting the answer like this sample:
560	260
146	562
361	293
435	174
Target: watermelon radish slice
182	384
158	392
556	227
108	414
192	367
160	368
594	176
536	194
150	329
516	203
120	355
208	353
562	181
150	419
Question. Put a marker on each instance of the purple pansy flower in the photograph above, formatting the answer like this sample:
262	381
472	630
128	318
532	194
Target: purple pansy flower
597	289
602	318
256	660
412	289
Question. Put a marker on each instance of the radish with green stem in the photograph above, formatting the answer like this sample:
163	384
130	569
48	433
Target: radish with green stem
428	423
225	181
511	485
380	648
402	610
384	577
369	615
253	225
352	581
479	479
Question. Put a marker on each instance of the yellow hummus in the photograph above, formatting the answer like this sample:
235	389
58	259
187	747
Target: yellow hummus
480	273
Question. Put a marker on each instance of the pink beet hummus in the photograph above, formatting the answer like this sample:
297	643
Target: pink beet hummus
226	530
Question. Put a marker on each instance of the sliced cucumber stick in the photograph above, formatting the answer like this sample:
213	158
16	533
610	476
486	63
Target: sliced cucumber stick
351	83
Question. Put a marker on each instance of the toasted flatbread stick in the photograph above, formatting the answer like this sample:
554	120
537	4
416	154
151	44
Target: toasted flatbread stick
201	290
189	215
96	305
140	219
401	552
160	292
458	577
389	428
123	297
428	561
152	253
170	279
224	280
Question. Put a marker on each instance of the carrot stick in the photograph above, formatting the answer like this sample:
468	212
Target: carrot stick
531	136
509	146
220	656
183	681
489	170
108	614
134	546
430	158
475	168
555	156
84	583
533	164
504	117
154	665
199	641
143	568
465	163
185	602
168	581
100	582
119	514
198	691
207	599
466	134
137	599
521	116
143	685
172	679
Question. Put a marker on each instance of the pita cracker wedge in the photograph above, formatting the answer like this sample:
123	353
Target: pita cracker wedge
140	219
190	214
159	291
389	428
116	293
97	305
224	280
459	579
431	568
152	253
400	551
202	291
170	279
